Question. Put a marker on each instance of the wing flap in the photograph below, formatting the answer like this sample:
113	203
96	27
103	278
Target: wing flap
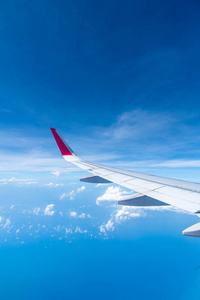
94	179
140	200
193	230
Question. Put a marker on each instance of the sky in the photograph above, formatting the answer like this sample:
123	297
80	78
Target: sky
119	80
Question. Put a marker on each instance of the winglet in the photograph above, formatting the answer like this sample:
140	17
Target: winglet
62	145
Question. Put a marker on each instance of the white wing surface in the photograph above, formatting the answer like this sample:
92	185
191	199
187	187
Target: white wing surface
179	193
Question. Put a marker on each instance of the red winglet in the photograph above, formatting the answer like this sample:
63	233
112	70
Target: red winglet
62	145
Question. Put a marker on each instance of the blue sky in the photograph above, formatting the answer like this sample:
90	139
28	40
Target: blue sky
120	82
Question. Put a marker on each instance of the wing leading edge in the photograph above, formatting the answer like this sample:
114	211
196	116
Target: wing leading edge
179	193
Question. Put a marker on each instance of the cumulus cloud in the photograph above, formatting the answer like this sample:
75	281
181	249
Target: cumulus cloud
111	194
108	226
120	215
73	214
126	213
49	210
82	216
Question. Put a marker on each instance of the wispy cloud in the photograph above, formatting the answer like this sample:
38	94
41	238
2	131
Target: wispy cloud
33	162
37	210
18	181
134	135
56	173
7	223
81	189
72	194
51	184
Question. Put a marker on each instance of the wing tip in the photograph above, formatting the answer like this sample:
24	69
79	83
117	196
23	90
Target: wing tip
62	145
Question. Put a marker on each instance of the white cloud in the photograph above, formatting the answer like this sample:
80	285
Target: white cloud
127	212
68	230
81	189
122	214
36	210
20	182
49	210
140	130
57	228
177	163
33	161
111	194
63	196
78	229
73	214
56	173
51	184
102	228
82	216
8	222
71	195
109	226
101	184
1	219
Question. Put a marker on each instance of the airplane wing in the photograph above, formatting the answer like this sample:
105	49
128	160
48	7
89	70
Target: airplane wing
152	190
